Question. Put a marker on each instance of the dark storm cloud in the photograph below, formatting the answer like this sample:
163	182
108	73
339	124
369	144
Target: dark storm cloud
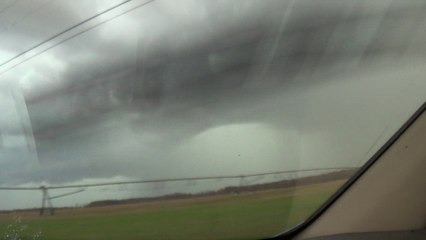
157	93
159	75
186	72
124	98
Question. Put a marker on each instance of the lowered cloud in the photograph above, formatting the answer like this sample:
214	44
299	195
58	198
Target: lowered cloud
211	87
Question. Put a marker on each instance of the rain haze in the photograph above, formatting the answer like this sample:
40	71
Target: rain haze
180	89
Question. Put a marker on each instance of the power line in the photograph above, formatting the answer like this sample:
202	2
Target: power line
67	194
68	38
175	179
19	188
64	31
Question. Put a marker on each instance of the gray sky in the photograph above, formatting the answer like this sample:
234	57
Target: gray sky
201	88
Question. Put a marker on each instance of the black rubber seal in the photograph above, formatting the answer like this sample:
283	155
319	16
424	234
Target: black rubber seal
289	234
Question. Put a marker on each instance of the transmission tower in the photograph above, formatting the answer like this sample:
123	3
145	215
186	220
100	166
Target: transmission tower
46	199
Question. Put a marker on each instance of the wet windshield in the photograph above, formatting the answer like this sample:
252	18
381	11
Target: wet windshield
195	119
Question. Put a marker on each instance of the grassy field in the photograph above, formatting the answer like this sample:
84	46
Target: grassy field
243	216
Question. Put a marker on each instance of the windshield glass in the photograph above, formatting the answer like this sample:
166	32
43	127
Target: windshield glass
195	119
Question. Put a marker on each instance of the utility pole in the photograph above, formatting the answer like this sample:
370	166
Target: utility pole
45	199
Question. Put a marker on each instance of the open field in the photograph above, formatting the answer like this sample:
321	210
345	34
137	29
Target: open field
242	216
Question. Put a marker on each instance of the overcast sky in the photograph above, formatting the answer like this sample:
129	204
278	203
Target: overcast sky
200	88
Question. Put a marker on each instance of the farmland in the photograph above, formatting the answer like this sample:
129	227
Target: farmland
247	215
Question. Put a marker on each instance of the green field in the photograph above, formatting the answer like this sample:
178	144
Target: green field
240	216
